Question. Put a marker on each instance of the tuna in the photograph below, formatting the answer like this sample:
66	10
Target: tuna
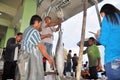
59	55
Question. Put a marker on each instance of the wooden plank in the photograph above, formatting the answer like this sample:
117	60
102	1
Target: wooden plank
50	73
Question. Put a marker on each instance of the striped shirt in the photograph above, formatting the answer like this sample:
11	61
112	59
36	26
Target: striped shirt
31	38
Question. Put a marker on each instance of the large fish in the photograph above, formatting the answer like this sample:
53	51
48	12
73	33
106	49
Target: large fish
59	55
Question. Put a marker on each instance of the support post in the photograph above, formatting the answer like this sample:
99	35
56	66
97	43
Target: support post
79	67
29	9
97	10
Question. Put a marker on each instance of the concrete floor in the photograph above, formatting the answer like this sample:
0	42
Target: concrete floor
48	77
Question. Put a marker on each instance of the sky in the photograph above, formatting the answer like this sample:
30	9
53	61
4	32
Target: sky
72	29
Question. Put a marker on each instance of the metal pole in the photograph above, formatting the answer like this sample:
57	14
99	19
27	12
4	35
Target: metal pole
97	10
79	67
49	9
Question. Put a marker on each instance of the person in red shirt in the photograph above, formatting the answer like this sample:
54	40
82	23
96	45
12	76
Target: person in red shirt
44	63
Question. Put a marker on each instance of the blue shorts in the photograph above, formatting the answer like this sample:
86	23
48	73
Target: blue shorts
113	69
49	48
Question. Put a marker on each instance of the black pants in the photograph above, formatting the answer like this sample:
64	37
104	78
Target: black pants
65	67
44	66
9	70
93	72
74	68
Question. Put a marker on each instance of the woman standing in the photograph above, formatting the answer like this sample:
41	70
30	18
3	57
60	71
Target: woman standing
109	37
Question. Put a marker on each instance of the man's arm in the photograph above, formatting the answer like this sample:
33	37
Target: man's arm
45	54
46	36
99	65
11	43
99	59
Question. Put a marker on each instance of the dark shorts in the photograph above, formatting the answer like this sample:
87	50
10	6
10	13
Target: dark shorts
68	67
74	68
93	73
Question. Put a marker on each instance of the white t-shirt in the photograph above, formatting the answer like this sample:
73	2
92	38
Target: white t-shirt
16	54
48	30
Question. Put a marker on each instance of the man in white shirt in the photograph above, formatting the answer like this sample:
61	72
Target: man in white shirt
48	28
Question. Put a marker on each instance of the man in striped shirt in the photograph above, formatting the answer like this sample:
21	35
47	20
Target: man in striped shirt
31	49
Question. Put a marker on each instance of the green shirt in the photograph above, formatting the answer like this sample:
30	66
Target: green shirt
93	55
